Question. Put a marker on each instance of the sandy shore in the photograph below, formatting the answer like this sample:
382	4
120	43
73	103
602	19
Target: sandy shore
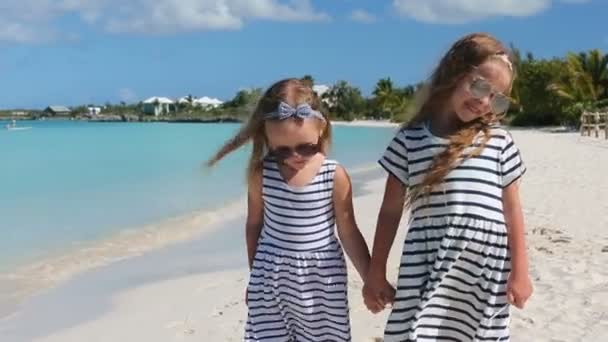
366	123
194	291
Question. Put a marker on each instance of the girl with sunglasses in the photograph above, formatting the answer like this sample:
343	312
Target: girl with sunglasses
464	256
297	289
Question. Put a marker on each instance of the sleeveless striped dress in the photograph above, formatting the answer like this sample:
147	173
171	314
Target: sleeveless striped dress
297	288
455	261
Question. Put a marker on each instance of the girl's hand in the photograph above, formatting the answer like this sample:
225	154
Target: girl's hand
377	292
519	289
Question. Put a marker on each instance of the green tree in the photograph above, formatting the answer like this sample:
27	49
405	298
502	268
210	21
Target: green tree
385	98
308	80
242	105
390	102
595	63
575	83
538	105
344	101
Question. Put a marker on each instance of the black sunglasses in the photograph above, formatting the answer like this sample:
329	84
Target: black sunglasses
303	150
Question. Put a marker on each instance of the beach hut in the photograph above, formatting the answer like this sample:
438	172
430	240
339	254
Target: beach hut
57	111
92	110
158	106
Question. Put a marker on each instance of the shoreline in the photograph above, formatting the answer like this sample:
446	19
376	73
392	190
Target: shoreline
117	119
366	123
187	263
29	279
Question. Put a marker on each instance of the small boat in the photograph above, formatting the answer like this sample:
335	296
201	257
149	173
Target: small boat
18	128
13	127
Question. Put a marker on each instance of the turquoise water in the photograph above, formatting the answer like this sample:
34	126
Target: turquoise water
65	182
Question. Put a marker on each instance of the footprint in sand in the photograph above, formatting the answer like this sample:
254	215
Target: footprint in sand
563	239
544	250
546	231
184	327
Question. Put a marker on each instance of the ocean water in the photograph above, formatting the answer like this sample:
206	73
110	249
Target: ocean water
65	183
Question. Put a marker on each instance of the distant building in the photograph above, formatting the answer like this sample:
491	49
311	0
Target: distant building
57	111
91	110
207	102
158	106
186	100
320	89
19	113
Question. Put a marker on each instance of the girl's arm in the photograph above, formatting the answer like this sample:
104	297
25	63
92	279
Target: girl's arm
255	216
519	286
350	236
377	292
387	225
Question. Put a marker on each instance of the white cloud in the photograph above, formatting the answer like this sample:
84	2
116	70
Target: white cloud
463	11
362	16
36	20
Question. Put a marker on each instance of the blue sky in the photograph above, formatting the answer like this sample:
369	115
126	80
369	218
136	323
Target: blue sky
72	52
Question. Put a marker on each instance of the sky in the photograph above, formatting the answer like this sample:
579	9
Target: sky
74	52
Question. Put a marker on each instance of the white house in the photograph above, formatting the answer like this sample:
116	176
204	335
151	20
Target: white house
158	106
320	89
207	102
186	99
93	110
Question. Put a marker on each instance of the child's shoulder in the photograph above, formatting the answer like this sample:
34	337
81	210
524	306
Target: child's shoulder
500	133
329	167
409	132
330	164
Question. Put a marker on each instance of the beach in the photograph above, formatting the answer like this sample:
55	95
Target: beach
194	290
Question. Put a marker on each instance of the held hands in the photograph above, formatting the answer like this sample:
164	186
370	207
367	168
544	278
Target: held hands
377	292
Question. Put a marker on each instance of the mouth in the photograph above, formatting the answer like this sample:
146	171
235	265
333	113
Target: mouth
298	162
473	110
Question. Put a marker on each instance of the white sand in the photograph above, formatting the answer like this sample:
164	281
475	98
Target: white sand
565	196
365	123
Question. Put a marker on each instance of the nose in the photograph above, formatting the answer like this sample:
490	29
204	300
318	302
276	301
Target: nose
483	103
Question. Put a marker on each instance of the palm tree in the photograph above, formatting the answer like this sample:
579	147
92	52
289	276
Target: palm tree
576	84
308	80
385	96
595	63
344	101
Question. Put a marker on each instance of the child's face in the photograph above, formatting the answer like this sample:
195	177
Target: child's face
294	142
483	91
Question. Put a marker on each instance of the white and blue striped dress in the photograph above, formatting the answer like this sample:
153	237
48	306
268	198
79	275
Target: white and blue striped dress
455	261
297	288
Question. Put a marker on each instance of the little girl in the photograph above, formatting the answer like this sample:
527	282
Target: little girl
464	258
298	283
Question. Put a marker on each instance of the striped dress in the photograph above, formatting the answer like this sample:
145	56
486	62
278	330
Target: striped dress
297	288
455	261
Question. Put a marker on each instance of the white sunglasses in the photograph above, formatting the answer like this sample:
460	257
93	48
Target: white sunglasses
499	102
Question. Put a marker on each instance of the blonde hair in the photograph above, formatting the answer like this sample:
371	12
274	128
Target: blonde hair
459	61
291	91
